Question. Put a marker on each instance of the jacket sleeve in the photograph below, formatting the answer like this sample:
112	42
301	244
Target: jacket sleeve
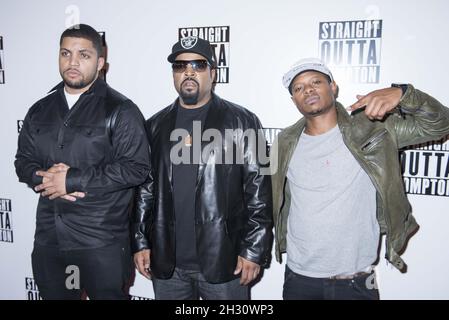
130	164
258	235
141	217
27	162
423	118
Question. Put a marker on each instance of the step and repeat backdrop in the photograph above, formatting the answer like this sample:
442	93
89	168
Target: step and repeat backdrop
367	44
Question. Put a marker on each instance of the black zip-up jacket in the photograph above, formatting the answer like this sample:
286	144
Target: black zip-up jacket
233	202
102	138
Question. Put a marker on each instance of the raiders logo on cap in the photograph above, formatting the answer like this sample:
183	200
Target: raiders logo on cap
193	44
189	42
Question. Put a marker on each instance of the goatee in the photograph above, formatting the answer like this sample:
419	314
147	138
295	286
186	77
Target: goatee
190	98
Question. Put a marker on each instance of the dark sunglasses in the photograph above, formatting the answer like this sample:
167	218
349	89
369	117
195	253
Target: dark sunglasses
197	65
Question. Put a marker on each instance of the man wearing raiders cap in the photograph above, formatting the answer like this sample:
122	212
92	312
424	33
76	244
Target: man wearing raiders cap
202	227
338	185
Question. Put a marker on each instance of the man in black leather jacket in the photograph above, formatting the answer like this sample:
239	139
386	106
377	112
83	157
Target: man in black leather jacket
206	223
84	148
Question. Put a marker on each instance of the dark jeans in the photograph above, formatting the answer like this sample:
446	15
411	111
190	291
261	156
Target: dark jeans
103	272
298	287
191	285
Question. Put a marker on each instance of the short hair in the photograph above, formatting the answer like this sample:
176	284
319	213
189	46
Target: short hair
86	32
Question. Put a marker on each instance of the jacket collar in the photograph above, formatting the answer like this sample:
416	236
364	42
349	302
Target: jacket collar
290	136
343	121
214	119
99	87
215	116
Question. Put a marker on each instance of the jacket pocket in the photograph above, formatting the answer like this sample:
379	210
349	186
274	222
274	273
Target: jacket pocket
374	140
90	131
38	129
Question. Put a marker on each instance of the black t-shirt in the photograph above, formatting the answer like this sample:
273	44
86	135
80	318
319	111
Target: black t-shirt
184	182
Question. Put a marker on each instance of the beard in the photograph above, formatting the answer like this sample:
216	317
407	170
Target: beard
317	112
190	97
320	110
79	84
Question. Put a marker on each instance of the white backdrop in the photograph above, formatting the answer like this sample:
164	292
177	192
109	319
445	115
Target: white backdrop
266	37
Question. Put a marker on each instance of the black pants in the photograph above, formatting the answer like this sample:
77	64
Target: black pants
63	275
299	287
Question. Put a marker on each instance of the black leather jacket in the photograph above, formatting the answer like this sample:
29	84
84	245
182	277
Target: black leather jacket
102	138
233	202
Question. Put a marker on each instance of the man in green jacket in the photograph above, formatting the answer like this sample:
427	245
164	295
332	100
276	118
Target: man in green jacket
338	185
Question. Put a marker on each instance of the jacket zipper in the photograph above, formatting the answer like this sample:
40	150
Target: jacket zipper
374	141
